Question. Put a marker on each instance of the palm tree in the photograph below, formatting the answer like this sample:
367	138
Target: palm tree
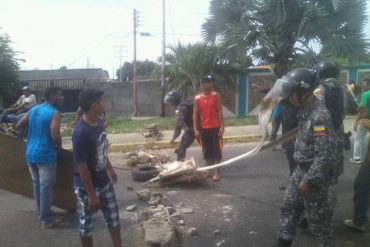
281	32
188	63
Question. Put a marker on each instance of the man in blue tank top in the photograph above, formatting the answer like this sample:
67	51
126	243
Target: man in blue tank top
41	152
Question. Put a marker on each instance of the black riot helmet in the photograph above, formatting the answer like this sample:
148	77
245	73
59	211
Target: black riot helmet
172	96
301	81
326	69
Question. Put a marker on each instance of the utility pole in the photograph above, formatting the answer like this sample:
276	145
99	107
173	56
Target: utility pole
121	49
163	108
134	113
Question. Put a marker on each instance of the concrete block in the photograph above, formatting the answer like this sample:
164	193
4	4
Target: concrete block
158	234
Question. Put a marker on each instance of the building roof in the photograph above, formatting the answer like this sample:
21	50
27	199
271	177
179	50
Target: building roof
87	74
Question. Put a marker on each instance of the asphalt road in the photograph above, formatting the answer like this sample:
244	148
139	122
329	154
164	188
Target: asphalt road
244	206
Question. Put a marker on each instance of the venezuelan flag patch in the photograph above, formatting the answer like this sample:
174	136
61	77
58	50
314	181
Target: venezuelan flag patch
319	130
177	112
317	91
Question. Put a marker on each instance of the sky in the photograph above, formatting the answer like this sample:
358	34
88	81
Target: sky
96	33
50	34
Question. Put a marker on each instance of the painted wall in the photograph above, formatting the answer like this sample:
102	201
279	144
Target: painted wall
247	99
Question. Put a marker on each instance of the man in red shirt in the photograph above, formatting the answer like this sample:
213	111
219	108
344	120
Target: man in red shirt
208	123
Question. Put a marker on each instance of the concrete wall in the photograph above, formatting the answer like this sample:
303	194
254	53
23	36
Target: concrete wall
119	98
247	99
87	74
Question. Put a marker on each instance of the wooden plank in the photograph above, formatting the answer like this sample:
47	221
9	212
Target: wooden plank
15	176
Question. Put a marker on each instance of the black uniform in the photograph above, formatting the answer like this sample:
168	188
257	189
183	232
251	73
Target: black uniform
289	121
184	120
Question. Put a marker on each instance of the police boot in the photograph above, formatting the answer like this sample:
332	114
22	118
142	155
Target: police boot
283	243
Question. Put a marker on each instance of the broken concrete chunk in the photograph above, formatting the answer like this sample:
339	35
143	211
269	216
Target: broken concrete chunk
143	195
157	194
155	200
131	207
192	231
145	215
158	233
217	232
220	243
187	210
172	192
181	222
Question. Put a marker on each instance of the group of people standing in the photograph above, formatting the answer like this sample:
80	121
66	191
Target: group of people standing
202	120
93	173
311	100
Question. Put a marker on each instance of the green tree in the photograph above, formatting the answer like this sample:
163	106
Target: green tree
282	32
9	85
144	70
188	63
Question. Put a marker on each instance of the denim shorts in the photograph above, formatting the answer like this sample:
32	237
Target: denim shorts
108	206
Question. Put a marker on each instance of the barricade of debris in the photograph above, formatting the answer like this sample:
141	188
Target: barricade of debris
175	172
8	128
161	223
151	132
142	157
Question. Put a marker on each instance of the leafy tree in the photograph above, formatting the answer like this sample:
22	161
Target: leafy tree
9	85
280	32
144	70
188	63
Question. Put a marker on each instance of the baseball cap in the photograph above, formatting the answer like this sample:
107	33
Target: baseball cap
207	78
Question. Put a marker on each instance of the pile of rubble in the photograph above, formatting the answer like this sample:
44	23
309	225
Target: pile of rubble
142	157
151	132
161	223
8	128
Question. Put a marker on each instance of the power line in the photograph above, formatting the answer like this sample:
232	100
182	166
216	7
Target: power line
94	46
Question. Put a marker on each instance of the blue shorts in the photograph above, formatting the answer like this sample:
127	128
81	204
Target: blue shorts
108	206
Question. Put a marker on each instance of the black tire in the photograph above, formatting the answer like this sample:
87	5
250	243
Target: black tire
144	173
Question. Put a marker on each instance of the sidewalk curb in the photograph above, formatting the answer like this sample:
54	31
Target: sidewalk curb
126	147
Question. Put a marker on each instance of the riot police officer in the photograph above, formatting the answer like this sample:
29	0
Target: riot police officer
332	95
184	120
314	152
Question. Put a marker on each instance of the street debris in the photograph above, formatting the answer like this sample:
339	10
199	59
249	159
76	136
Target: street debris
187	210
160	224
143	157
192	232
8	128
151	132
175	172
144	195
220	243
131	208
217	232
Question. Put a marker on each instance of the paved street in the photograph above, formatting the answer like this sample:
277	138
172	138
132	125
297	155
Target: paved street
244	206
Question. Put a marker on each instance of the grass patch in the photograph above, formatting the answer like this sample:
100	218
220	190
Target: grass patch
129	125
